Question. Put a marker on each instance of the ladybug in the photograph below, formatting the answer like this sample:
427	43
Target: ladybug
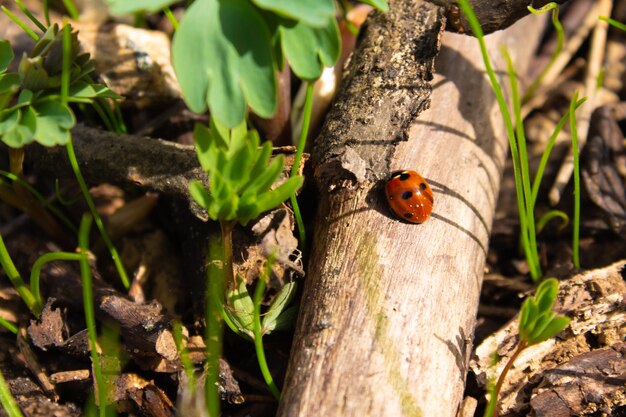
409	196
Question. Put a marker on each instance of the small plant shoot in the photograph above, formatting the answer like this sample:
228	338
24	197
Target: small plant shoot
537	323
240	172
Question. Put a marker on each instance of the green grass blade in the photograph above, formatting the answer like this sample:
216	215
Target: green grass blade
92	208
8	401
477	30
8	325
533	260
548	150
613	22
560	39
20	23
44	201
575	155
90	317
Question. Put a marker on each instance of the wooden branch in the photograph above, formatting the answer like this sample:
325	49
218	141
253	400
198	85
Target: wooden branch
492	15
388	311
129	161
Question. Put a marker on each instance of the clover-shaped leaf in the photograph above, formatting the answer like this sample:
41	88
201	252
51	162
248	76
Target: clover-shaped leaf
537	321
313	12
6	55
17	126
124	7
54	122
378	4
309	49
222	55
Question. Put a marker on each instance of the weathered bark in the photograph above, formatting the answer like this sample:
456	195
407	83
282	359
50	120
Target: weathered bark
389	307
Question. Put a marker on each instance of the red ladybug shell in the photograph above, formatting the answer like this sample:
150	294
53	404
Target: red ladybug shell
409	196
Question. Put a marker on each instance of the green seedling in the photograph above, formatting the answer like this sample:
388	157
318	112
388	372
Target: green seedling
241	177
537	323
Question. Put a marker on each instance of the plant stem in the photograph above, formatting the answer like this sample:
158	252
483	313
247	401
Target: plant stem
258	337
214	302
16	279
520	347
304	133
90	317
35	271
96	217
226	228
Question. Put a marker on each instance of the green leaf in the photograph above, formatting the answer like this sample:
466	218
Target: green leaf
6	55
262	157
222	56
540	324
241	305
125	7
103	91
268	200
54	122
546	294
285	321
273	198
32	73
309	49
528	317
23	132
378	4
279	304
264	181
25	98
312	12
9	82
238	169
208	145
9	119
556	326
200	194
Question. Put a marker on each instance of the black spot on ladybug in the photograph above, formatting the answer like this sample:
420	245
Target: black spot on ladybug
422	186
404	176
406	195
408	215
